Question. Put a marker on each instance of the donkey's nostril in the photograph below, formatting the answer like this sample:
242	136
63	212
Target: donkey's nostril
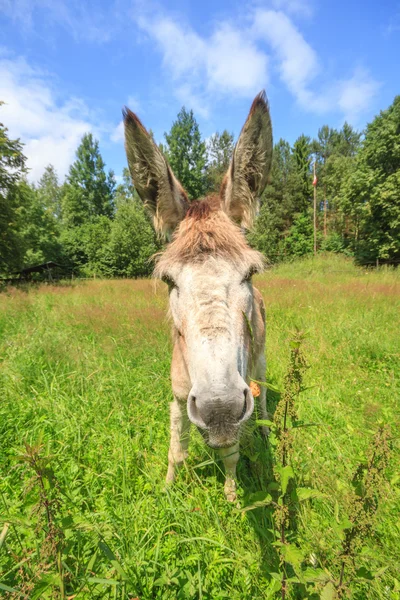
248	405
244	407
194	413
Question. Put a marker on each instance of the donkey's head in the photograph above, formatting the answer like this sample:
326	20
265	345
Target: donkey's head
208	268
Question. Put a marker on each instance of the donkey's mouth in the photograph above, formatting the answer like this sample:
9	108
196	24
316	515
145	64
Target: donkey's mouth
217	443
221	445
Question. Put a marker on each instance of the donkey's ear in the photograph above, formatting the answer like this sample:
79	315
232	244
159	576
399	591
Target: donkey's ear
152	176
248	172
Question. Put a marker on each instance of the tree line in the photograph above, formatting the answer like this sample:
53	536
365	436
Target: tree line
93	226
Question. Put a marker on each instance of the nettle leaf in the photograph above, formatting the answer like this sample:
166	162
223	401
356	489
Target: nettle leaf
273	486
329	592
257	500
308	493
286	474
274	586
292	555
364	573
313	575
272	439
264	422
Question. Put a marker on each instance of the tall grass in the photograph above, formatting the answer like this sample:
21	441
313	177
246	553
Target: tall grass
85	376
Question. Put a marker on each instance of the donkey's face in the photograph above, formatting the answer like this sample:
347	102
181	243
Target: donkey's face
208	268
211	305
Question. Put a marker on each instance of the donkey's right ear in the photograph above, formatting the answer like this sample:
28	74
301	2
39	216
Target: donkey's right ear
152	176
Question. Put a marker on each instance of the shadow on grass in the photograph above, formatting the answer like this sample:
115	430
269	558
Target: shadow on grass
256	474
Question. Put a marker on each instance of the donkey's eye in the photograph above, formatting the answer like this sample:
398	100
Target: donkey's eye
249	275
169	281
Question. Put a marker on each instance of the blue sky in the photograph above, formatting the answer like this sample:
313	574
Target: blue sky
68	66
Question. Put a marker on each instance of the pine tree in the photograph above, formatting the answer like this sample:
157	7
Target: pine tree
302	155
89	192
38	227
186	153
220	150
372	192
49	191
281	203
12	169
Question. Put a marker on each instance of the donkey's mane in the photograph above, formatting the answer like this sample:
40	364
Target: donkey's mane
207	231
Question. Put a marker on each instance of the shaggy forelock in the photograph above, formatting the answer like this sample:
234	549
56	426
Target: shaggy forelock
207	231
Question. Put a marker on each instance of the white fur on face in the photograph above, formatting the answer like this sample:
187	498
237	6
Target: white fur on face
207	302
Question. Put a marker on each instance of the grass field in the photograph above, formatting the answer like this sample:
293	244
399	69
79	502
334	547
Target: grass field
85	372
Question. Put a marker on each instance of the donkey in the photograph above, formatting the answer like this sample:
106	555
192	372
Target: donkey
218	316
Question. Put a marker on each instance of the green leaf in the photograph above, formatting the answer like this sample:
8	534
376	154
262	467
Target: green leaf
91	562
256	500
329	592
364	573
6	588
286	474
308	493
292	555
264	422
311	575
108	553
103	581
275	585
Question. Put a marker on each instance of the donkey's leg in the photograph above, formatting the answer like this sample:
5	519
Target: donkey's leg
260	375
179	442
230	457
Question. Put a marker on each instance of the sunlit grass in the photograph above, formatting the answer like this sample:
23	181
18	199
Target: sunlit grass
85	370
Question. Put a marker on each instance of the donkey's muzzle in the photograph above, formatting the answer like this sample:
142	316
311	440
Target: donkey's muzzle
220	413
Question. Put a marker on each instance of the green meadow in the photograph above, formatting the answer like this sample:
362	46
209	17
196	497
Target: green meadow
84	395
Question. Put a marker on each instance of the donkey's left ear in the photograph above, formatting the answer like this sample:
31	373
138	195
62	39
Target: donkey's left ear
248	172
157	186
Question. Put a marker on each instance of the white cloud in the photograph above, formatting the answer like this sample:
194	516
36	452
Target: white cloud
227	62
299	68
51	130
80	19
118	134
234	63
237	61
355	94
298	62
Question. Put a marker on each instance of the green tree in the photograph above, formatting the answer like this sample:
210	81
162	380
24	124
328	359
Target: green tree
348	141
50	191
38	227
132	241
372	192
186	153
220	148
302	150
86	247
323	147
334	151
300	238
281	202
12	169
89	192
